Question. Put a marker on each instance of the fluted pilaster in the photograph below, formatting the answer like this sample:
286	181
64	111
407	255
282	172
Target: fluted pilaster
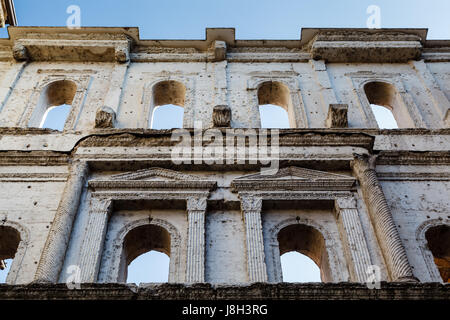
195	268
353	234
94	237
256	264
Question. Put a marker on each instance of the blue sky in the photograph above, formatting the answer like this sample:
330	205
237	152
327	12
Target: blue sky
253	19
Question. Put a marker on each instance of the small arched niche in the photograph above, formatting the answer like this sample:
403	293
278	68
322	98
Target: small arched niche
309	242
387	106
9	243
438	240
54	104
168	105
145	241
275	105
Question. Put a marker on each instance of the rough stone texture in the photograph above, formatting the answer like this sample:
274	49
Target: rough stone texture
257	291
337	116
222	116
105	118
221	221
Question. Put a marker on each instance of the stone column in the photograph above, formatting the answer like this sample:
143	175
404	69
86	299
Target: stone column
256	264
52	257
391	245
195	267
353	234
94	236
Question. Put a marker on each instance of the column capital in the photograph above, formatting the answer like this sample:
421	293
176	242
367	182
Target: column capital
251	203
100	205
362	163
196	204
345	203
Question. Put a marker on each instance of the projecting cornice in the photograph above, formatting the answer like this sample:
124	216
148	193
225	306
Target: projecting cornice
99	44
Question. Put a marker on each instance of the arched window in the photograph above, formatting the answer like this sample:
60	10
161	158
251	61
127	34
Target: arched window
9	242
438	239
54	105
275	106
303	254
387	106
168	105
143	254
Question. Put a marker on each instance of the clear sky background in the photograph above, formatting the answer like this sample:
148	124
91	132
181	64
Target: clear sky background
253	19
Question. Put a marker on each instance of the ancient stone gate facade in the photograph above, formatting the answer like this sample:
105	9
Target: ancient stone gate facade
106	188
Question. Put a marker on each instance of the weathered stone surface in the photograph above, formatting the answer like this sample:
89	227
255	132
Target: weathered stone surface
337	116
222	116
105	118
257	291
219	221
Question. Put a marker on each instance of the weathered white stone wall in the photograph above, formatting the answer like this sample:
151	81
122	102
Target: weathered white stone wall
123	77
418	200
29	198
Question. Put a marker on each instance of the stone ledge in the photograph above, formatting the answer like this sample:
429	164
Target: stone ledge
203	291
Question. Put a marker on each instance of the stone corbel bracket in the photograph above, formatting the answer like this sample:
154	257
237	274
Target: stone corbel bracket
366	46
78	47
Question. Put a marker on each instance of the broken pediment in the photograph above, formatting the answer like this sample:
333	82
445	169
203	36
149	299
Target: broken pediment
294	178
153	178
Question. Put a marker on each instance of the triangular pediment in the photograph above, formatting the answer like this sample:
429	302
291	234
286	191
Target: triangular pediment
294	178
154	174
153	179
293	173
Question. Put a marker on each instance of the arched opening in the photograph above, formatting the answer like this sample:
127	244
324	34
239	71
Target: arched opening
168	105
9	243
387	106
275	106
143	254
438	239
54	105
302	247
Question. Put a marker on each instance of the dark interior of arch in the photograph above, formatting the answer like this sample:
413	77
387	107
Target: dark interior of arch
169	92
61	92
273	92
9	242
308	241
438	239
380	93
145	238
